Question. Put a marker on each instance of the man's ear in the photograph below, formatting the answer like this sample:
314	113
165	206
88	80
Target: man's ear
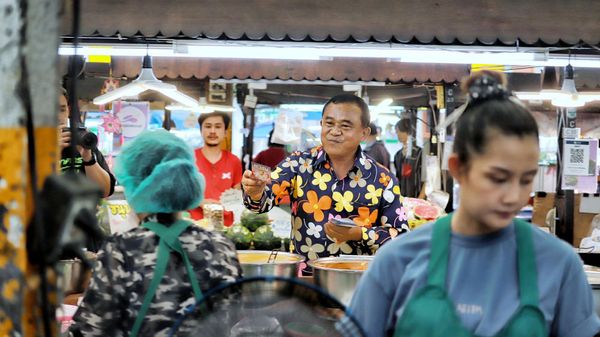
455	167
365	132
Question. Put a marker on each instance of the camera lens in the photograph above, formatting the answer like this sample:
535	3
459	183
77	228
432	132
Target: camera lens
89	140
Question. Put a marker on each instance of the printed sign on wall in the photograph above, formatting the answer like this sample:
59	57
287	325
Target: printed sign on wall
133	116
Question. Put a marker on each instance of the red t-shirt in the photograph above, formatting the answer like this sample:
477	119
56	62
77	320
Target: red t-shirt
220	176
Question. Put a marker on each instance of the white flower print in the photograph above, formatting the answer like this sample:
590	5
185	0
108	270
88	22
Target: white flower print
384	221
314	230
291	163
305	165
336	247
388	196
296	226
356	179
365	162
311	250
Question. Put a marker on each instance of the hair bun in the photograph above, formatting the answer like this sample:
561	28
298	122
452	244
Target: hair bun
486	87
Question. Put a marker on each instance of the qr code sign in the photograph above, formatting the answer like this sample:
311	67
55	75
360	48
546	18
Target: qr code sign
576	156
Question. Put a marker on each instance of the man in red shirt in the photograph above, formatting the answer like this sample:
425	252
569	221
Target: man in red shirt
221	169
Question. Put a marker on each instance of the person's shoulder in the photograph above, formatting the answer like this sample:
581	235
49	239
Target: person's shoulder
198	153
230	156
551	250
408	246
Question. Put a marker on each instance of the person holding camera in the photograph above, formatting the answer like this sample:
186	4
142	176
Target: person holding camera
87	159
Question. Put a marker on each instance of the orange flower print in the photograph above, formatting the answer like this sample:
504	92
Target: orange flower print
315	205
366	218
280	190
384	179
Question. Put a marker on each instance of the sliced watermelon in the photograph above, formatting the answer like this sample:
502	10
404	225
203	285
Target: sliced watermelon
426	212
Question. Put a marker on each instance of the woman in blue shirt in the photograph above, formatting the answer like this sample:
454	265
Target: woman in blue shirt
478	271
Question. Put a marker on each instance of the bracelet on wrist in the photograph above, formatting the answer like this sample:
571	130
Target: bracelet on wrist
91	162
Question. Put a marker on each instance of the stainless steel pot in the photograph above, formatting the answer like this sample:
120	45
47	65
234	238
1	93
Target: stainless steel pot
70	277
255	263
339	282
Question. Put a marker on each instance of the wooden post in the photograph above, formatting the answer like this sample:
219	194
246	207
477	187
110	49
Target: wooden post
28	82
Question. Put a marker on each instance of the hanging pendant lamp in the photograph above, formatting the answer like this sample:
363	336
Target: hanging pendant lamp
146	81
566	97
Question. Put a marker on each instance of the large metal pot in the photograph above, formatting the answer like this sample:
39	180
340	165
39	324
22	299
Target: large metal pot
72	277
255	263
339	275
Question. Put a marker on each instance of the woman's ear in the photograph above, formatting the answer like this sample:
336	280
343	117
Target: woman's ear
455	167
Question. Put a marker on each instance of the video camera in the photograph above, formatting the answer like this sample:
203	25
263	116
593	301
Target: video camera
88	140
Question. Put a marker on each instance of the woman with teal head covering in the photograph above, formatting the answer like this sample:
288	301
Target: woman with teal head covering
145	277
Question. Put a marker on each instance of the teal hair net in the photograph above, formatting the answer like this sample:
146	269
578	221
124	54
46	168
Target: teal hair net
159	174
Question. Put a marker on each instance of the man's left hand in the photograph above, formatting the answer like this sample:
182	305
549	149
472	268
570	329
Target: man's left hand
342	233
86	154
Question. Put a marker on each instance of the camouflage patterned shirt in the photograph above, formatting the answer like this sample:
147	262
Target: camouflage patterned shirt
123	273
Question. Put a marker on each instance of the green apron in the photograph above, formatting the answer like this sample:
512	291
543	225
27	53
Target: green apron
169	242
430	313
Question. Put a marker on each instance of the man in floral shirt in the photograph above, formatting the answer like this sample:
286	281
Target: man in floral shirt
337	180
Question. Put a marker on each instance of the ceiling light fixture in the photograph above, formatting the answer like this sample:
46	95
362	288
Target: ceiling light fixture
535	57
566	97
146	81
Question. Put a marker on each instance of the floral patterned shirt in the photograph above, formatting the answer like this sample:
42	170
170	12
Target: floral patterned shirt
369	195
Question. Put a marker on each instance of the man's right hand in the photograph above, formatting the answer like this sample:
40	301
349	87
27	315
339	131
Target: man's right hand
64	138
252	186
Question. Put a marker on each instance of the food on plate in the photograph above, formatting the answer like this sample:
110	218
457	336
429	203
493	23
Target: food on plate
421	211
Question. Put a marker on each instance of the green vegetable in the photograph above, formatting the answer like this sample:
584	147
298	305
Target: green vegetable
265	239
240	235
252	220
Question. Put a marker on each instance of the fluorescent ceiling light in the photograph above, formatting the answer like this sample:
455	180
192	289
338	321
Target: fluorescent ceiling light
326	51
201	107
145	81
386	102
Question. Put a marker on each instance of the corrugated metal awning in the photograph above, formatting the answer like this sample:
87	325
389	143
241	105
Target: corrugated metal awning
337	69
551	22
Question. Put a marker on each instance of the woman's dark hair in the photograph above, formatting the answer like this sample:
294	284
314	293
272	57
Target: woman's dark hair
404	125
365	116
203	117
489	108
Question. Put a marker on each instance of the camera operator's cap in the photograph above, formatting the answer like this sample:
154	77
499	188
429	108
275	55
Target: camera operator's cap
159	174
